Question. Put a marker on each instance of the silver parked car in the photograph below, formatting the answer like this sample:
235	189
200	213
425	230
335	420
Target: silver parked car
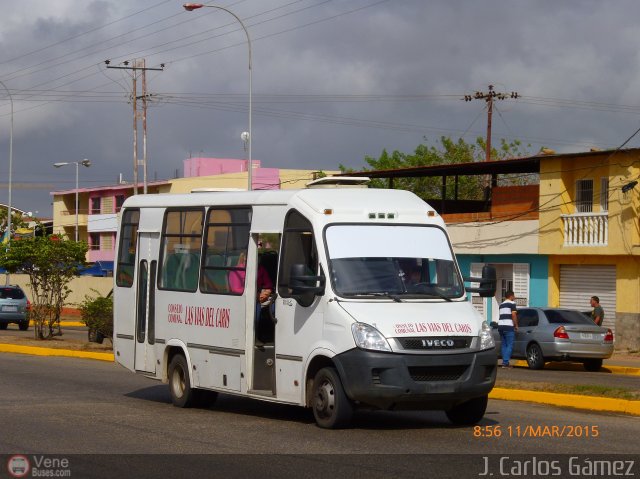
14	307
557	334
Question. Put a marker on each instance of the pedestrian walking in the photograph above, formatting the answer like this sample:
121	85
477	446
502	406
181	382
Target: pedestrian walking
598	312
507	326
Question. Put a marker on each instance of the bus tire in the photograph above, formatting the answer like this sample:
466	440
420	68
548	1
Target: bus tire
204	398
332	408
182	394
469	412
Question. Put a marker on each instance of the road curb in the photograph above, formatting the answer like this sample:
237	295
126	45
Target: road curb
66	323
592	403
38	351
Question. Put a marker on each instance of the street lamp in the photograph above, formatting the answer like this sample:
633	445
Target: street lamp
84	162
9	207
194	6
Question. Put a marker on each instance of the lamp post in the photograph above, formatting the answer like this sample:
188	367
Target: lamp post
194	6
84	162
9	206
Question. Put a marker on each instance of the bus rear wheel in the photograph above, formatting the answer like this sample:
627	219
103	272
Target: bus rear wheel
332	408
182	394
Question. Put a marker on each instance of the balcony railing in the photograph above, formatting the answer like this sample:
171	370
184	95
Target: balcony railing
586	229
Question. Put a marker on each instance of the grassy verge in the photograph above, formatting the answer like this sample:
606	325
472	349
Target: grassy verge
582	389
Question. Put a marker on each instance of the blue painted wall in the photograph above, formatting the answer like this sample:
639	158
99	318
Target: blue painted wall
538	271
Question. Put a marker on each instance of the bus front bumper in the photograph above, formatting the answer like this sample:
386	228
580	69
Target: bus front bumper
415	381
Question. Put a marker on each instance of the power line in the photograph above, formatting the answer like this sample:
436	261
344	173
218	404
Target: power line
489	97
138	66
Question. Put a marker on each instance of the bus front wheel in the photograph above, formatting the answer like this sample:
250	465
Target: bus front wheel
332	408
468	413
182	394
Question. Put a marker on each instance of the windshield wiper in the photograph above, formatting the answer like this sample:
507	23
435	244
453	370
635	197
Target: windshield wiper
435	294
385	294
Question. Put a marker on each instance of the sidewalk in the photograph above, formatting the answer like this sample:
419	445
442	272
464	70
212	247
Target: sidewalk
623	364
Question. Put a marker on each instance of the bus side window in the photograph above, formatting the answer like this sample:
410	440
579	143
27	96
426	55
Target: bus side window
225	250
214	279
298	248
181	271
181	243
127	249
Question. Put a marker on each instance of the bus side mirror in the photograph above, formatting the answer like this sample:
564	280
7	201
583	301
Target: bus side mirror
488	281
302	283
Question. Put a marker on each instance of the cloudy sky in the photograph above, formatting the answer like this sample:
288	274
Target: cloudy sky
333	81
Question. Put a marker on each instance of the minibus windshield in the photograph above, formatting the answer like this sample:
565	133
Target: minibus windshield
383	261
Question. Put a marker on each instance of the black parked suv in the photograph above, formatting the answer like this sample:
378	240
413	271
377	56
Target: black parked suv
14	307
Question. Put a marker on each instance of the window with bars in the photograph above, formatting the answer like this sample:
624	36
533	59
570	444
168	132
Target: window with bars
119	202
95	205
95	241
584	196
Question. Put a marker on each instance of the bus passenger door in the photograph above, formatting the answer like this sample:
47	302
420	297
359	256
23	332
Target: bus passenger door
262	309
299	319
145	358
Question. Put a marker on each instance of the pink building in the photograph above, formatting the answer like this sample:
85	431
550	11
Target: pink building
262	178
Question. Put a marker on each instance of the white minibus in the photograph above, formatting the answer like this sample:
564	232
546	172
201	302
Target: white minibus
328	298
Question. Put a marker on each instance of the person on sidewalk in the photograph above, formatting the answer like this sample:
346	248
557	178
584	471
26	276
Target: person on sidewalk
598	312
507	326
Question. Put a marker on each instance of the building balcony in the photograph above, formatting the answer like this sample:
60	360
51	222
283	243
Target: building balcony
104	223
67	218
586	229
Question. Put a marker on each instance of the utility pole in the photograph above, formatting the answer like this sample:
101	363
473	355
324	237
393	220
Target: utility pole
489	97
138	66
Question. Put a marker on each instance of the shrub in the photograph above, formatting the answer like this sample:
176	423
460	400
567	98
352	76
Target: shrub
97	313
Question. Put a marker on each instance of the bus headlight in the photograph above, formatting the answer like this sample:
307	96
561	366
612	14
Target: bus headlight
368	337
486	338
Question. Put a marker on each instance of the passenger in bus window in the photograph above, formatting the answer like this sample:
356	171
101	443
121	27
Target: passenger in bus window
264	285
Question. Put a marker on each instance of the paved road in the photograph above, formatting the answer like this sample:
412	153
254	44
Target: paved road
74	407
64	405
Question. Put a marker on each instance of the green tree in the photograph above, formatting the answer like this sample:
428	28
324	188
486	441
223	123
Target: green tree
51	262
17	221
447	152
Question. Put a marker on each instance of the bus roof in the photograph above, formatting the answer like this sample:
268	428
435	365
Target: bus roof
338	199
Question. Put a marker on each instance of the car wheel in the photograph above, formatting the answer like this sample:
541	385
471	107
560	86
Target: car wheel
4	325
182	394
592	364
469	412
332	408
535	360
23	325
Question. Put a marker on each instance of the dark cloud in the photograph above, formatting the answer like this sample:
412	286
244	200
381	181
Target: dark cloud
387	76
